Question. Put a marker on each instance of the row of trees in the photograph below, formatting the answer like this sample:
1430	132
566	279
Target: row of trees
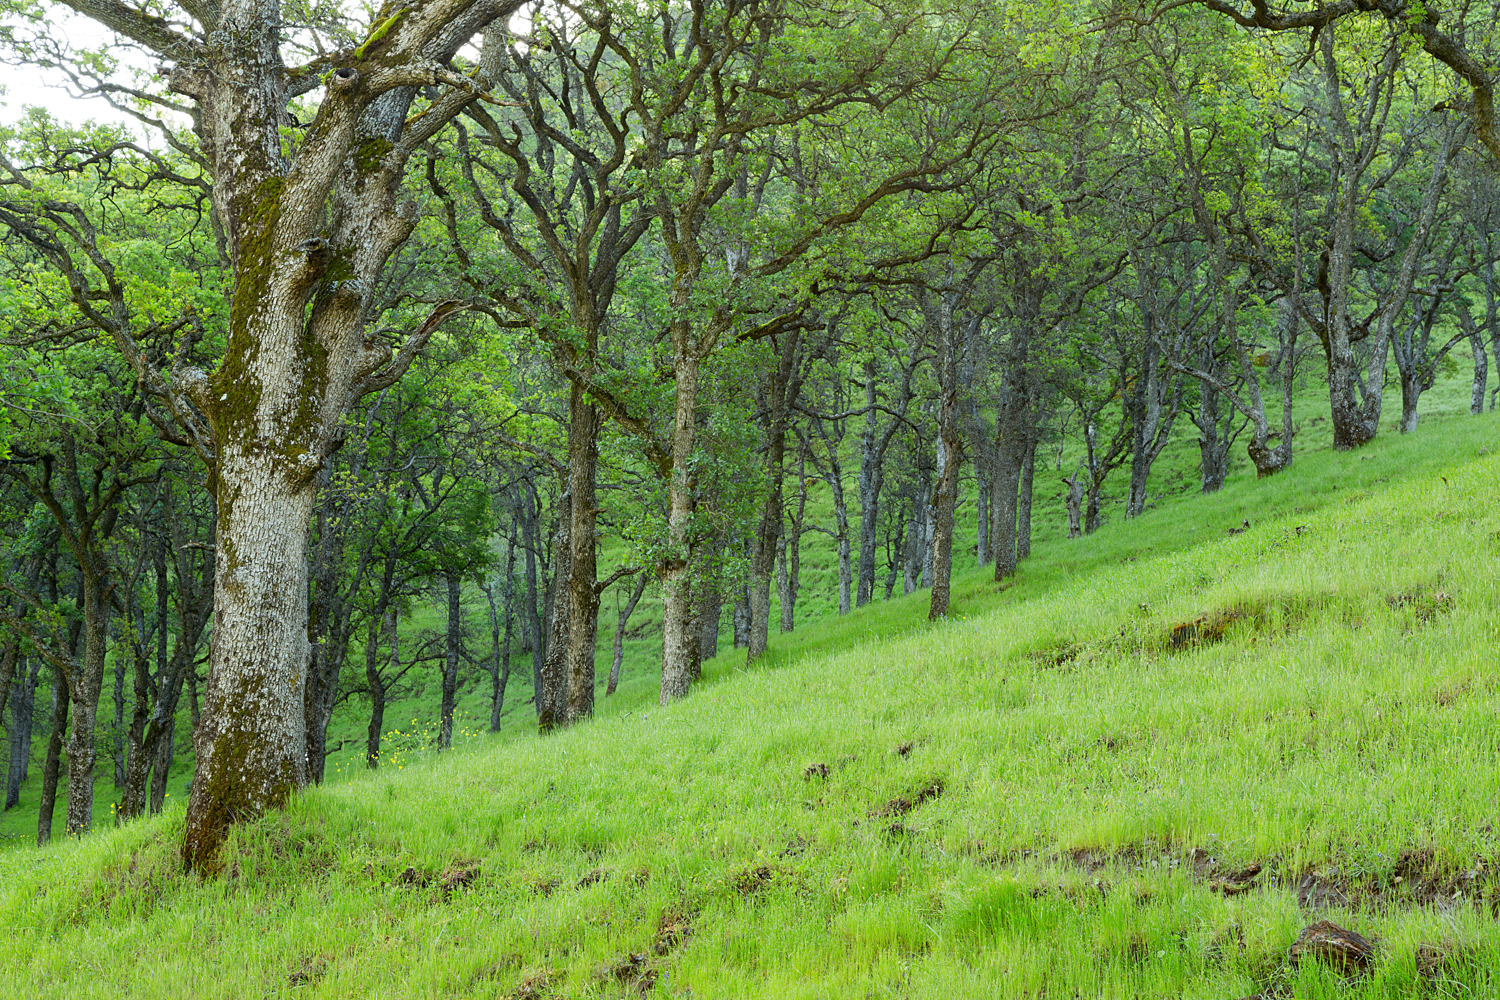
463	294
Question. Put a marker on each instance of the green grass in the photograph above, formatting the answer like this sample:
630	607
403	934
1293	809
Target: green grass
1335	719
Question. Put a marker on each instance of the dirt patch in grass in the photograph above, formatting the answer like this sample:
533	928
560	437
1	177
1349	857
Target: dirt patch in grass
1268	615
535	984
1424	604
633	970
308	971
673	927
1057	656
752	880
903	804
1418	879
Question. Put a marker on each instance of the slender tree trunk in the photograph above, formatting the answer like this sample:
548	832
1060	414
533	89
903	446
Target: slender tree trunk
22	705
376	683
531	618
1023	498
583	598
552	698
846	575
981	513
621	622
500	658
893	564
454	638
873	445
118	736
945	492
742	618
679	643
1481	359
709	614
52	763
1074	502
916	543
790	555
766	539
84	690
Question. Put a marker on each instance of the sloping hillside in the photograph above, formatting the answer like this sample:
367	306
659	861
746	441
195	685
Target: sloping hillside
1139	771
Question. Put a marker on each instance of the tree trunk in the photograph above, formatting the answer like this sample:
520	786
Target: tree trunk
709	614
916	542
375	683
52	763
981	512
742	618
945	491
621	622
531	618
873	445
788	580
1023	498
583	598
251	742
118	736
1481	359
84	689
500	658
552	696
22	705
1213	450
1074	502
453	582
679	643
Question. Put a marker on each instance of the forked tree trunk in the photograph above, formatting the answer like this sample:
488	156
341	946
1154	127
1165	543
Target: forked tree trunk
621	622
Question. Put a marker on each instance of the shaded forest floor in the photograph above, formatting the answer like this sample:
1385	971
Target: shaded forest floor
1139	770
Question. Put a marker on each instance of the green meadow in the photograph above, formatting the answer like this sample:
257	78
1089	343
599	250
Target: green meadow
1140	769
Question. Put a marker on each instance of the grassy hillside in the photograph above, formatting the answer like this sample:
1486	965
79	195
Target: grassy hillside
1063	790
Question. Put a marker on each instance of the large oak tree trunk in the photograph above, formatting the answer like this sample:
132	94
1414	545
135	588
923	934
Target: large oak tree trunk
251	742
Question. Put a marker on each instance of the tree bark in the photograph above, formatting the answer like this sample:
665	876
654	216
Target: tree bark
945	491
583	597
1481	359
874	442
679	643
373	679
453	582
1023	500
22	705
552	696
621	622
52	763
